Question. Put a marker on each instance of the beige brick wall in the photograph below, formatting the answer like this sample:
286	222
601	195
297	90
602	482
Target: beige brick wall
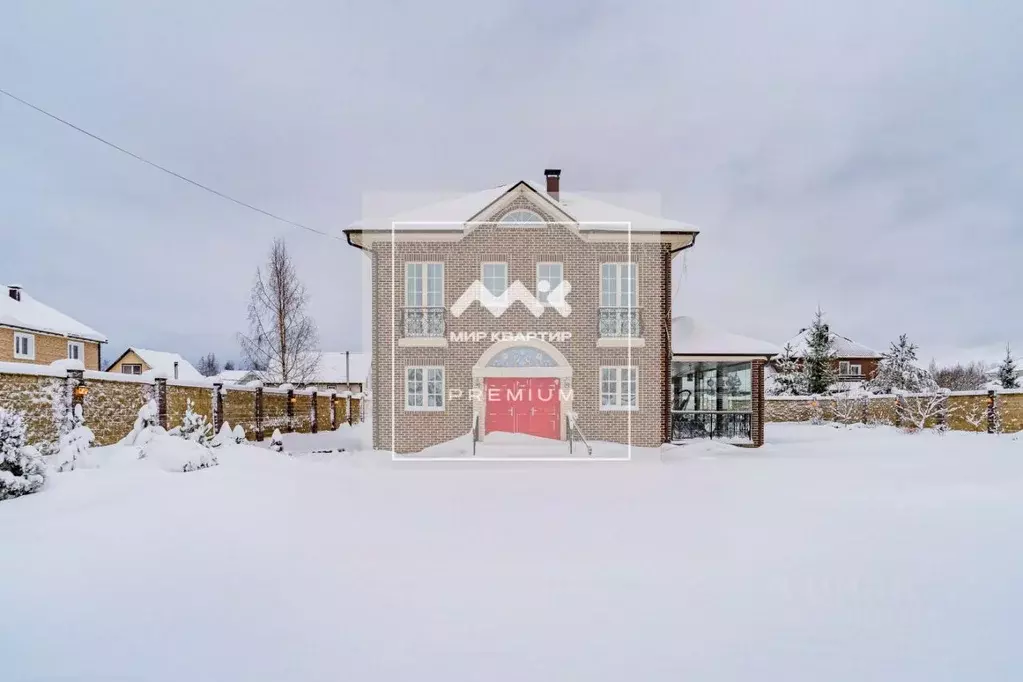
967	412
47	349
322	412
240	408
275	412
1010	412
111	407
34	397
302	421
177	403
521	249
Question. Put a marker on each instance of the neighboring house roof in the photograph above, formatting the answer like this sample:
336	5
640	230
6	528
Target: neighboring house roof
234	376
591	213
331	369
162	363
844	346
30	314
692	337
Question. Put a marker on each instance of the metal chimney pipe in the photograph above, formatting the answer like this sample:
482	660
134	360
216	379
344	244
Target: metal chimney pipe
175	370
348	373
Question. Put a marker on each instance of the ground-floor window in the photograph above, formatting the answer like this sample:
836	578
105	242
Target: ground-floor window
711	400
424	388
619	388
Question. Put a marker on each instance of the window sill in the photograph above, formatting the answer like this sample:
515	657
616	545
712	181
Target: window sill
24	357
424	409
621	342
423	342
619	409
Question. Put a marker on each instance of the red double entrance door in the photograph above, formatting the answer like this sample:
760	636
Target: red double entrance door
530	406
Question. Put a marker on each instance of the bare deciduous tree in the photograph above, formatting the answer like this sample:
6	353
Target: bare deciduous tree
282	338
208	365
916	410
959	377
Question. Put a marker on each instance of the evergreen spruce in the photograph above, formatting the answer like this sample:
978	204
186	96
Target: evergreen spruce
1007	371
790	378
898	372
818	365
22	470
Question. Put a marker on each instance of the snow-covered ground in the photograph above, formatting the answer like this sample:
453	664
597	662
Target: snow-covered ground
829	554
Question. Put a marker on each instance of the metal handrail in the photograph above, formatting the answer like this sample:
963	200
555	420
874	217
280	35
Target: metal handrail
475	431
573	427
423	321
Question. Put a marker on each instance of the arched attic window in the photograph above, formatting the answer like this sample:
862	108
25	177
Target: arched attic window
521	216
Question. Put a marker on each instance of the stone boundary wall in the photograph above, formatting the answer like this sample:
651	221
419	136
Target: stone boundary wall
992	411
111	402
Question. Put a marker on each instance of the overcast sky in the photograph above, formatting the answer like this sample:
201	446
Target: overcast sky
864	156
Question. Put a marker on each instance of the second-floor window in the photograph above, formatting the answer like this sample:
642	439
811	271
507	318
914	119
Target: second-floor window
847	369
24	346
75	350
131	369
549	277
619	316
495	278
424	299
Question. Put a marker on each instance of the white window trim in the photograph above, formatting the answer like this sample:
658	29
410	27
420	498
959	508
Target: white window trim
483	281
426	381
560	264
131	364
31	354
618	389
618	290
538	222
424	295
81	350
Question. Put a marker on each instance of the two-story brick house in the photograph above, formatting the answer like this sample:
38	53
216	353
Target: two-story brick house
853	362
33	332
528	310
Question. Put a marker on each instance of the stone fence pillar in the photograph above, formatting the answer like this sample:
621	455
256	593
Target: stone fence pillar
161	401
290	427
314	414
259	413
218	407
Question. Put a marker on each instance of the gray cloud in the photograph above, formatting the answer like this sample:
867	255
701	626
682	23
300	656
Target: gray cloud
860	156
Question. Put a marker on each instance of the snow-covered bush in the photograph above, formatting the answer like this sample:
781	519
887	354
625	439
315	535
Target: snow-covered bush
915	411
194	426
22	470
816	411
146	426
223	437
239	434
74	445
851	407
277	441
177	454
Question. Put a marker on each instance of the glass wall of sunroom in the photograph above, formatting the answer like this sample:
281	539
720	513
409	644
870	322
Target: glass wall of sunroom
712	400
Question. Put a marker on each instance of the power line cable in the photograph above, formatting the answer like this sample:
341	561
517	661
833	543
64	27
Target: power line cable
157	166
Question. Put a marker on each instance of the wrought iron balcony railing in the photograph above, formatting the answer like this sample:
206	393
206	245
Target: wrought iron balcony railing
423	321
731	425
619	323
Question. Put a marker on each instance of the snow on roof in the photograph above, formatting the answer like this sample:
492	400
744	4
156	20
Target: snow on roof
28	313
593	214
844	346
162	363
233	376
691	337
331	369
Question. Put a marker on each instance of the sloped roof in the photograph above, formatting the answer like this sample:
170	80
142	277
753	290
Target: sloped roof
30	314
844	346
591	213
692	337
162	363
233	376
331	369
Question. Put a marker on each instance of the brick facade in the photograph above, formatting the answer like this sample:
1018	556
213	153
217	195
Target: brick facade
521	248
48	348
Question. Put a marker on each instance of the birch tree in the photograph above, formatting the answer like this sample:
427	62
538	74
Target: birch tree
282	338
